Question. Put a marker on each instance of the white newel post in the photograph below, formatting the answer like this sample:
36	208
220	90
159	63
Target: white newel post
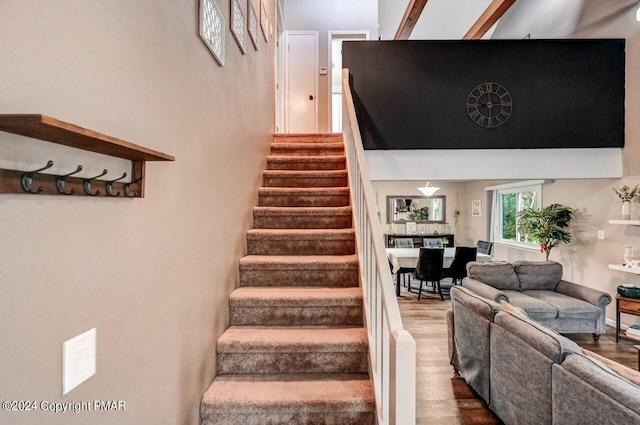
402	391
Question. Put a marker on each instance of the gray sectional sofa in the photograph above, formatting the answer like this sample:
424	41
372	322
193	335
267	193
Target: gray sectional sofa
538	288
530	374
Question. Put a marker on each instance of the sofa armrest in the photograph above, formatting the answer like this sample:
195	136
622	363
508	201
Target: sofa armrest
484	290
584	293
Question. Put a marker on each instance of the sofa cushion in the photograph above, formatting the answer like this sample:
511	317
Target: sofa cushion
498	274
627	373
544	340
585	395
472	316
568	307
604	379
535	308
538	274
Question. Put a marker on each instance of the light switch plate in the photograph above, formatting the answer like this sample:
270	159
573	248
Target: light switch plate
78	360
600	234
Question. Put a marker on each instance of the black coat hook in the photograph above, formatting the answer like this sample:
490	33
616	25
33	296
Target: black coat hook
127	187
27	179
87	184
110	185
60	182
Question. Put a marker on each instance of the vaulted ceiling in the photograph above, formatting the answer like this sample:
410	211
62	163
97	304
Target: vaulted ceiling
458	19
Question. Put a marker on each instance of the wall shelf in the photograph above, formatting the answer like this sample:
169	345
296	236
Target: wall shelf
63	133
622	268
625	222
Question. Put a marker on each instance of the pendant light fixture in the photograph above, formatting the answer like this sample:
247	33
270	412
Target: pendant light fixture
428	190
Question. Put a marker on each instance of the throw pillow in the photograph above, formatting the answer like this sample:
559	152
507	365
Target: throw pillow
625	372
544	275
512	309
498	274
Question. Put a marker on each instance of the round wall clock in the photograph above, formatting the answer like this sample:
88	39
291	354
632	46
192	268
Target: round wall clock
489	105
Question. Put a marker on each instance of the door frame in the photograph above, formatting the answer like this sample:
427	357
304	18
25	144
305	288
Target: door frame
286	77
330	35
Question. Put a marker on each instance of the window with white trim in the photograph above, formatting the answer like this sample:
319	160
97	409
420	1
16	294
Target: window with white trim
508	201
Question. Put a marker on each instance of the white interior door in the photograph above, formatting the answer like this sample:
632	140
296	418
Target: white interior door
301	96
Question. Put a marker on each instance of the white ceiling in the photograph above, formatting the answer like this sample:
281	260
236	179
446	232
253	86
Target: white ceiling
440	19
451	19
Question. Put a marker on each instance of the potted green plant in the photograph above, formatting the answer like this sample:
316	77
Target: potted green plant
627	194
547	226
419	214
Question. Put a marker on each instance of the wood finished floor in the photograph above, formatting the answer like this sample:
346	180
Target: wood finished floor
443	397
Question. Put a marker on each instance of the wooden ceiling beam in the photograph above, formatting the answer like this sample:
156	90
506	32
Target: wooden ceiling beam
411	16
490	16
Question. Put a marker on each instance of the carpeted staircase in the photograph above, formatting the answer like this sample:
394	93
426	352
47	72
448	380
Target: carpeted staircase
296	351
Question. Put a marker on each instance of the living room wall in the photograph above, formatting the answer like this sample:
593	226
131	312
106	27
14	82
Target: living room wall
152	275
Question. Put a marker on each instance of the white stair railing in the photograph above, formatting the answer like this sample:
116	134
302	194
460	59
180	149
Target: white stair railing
392	350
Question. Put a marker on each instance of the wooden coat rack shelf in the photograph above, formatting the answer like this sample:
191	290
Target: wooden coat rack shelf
63	133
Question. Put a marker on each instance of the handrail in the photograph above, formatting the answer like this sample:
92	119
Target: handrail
392	350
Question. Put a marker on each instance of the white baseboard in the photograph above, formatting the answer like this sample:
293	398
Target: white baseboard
612	323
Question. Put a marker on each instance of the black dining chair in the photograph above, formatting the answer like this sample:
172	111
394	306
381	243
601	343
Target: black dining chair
404	243
485	247
429	268
458	269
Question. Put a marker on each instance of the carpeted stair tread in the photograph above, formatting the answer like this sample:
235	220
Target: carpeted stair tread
307	137
304	191
302	217
304	178
297	297
296	262
305	173
299	270
245	339
298	234
307	149
308	146
290	162
319	158
279	397
296	306
303	196
300	241
296	211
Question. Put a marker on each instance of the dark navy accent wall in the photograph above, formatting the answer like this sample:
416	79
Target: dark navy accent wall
413	94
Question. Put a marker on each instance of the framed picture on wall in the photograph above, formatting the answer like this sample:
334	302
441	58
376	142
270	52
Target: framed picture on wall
410	227
476	208
212	29
252	24
264	19
238	24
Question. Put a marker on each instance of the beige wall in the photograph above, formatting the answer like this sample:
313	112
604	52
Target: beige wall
152	275
324	16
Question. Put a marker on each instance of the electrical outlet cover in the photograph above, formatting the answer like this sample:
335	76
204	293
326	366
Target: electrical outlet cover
78	360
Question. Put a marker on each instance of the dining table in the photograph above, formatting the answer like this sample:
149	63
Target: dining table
404	260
